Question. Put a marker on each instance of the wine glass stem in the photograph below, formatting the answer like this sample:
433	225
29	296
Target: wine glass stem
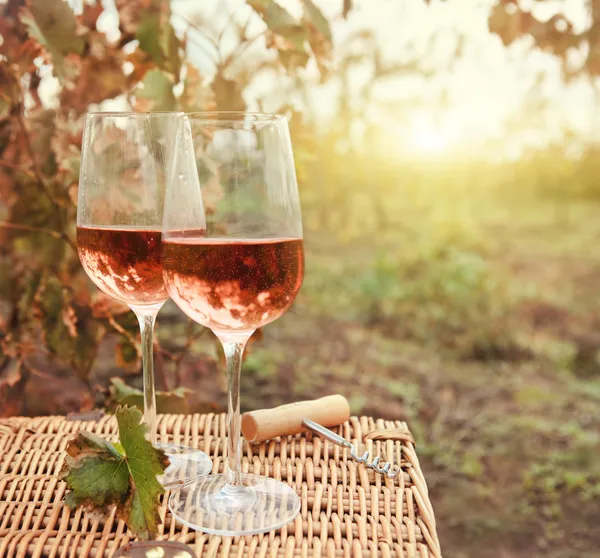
233	354
147	320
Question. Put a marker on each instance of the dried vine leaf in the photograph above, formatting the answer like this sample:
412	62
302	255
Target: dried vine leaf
98	79
196	95
16	45
106	307
43	122
46	294
228	94
90	14
101	474
12	387
556	34
347	6
67	329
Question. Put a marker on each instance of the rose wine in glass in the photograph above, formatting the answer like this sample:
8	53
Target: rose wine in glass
124	263
234	180
126	158
229	284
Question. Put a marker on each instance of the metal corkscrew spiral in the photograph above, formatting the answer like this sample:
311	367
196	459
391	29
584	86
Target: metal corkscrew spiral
382	467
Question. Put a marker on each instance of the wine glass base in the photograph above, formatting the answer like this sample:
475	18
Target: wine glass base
258	505
185	464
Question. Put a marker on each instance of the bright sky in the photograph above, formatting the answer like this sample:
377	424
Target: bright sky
469	101
482	90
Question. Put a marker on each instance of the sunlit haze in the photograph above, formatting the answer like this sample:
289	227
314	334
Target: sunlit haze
459	87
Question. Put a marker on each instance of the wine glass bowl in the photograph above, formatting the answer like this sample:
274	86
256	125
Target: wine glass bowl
126	159
125	263
233	261
119	214
231	285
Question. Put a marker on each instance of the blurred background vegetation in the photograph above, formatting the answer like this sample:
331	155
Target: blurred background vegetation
448	161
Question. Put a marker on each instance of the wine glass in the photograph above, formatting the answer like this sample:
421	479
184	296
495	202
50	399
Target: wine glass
233	262
125	161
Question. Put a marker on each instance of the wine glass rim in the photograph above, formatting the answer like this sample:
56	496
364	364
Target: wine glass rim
235	117
128	114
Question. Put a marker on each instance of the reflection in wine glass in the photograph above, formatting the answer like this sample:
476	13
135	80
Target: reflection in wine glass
233	261
126	158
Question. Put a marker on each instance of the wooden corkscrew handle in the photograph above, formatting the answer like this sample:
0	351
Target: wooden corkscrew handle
258	426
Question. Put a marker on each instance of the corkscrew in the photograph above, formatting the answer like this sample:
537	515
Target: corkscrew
382	467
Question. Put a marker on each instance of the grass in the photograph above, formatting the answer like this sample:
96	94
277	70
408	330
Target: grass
464	300
481	335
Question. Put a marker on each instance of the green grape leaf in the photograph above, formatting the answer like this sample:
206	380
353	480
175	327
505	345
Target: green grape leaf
280	22
275	16
168	402
157	38
132	12
101	474
315	19
54	26
148	34
155	92
289	36
293	59
171	45
52	23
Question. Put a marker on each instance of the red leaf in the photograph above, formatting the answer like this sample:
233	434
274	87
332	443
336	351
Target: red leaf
104	306
12	388
99	79
90	15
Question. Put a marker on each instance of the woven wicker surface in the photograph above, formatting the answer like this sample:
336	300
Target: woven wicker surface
347	510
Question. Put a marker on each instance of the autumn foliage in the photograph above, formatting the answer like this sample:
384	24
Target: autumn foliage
55	65
52	322
556	34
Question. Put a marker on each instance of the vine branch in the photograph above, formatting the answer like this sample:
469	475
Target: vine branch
18	227
40	179
17	168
